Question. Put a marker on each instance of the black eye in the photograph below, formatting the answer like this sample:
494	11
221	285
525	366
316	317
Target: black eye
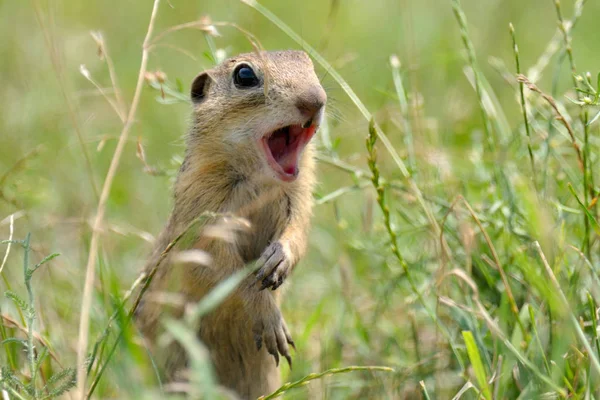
244	76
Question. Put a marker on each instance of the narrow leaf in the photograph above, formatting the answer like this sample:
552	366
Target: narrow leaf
14	340
594	118
45	260
475	357
19	302
595	224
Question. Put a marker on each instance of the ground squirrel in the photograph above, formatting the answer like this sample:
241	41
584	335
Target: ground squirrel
249	154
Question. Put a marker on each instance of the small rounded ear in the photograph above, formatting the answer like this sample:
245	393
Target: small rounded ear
200	87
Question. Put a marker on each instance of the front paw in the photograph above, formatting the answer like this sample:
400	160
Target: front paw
275	264
272	332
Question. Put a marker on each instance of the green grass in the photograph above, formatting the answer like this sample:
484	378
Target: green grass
454	252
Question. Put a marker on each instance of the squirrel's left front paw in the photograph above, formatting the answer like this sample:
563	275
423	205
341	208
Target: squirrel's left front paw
275	265
270	329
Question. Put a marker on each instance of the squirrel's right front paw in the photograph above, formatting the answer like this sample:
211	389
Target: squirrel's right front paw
275	264
272	332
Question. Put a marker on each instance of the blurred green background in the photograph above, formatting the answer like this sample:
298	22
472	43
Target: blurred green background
339	304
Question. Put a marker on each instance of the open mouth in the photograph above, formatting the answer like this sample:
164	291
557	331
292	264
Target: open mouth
283	148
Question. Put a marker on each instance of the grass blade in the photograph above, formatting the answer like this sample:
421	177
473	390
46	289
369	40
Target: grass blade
311	377
475	357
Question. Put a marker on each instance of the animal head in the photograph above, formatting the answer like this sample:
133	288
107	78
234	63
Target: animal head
261	109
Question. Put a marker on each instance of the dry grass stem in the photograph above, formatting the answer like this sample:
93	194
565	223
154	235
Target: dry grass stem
559	116
86	302
12	322
103	50
10	238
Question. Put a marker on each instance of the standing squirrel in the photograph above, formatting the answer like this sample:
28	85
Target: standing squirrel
248	154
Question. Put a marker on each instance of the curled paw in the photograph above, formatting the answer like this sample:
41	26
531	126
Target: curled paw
275	264
272	332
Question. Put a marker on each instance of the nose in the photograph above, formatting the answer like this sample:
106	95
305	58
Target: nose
311	101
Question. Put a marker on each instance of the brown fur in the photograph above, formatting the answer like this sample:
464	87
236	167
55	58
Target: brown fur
224	171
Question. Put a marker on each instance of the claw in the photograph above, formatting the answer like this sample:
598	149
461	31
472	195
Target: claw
265	284
275	355
278	283
262	262
289	360
288	337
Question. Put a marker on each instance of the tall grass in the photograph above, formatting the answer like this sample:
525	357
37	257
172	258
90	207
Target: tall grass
445	262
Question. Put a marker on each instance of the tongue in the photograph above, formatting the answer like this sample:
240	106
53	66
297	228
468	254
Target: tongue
277	144
284	151
289	163
286	144
284	148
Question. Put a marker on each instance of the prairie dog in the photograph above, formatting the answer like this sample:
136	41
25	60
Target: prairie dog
249	153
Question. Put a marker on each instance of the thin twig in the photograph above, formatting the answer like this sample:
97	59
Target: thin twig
58	70
559	116
10	237
19	164
86	74
207	26
91	263
344	166
179	49
111	72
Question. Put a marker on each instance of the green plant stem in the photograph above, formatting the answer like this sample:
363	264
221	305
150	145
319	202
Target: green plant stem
464	33
592	307
375	179
587	188
9	353
9	287
424	388
311	377
13	392
594	360
30	315
565	29
404	109
211	46
497	332
586	212
523	105
537	339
